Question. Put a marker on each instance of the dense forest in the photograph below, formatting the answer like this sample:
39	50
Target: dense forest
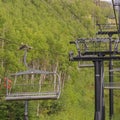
48	26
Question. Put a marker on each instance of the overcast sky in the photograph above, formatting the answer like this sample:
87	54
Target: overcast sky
118	1
107	0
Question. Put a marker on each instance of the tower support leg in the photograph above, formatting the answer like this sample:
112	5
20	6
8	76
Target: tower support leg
99	91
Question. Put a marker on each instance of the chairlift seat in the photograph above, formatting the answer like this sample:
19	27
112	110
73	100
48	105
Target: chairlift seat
115	70
85	65
112	85
32	96
40	90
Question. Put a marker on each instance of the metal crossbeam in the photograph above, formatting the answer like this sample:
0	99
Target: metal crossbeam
93	58
107	32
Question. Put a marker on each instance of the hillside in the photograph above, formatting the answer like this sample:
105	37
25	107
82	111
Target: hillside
48	26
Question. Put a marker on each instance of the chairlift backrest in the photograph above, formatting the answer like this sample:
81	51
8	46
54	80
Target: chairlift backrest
29	85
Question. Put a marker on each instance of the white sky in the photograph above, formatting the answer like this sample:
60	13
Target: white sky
107	0
115	1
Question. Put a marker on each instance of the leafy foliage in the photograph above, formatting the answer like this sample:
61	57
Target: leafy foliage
48	26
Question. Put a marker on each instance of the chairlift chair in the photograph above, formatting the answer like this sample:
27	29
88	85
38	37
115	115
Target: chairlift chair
32	84
115	70
115	84
85	64
112	85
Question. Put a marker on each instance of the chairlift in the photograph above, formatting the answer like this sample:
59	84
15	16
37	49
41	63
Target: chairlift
93	45
85	64
117	2
33	84
112	85
115	70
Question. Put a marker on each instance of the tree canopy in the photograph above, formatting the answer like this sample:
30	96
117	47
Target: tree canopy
48	26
